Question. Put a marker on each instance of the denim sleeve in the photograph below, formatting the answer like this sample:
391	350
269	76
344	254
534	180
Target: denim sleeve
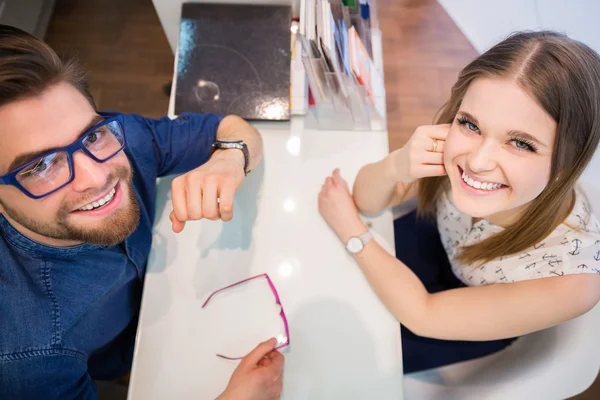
46	377
182	144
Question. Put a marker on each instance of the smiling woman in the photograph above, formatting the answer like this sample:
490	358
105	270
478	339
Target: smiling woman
492	154
498	173
520	90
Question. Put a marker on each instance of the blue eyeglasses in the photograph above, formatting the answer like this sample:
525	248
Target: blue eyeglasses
53	170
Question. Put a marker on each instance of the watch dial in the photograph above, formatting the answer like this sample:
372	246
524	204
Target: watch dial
355	245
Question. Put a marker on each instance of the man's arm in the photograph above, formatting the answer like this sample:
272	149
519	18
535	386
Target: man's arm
233	127
208	191
53	377
171	147
180	145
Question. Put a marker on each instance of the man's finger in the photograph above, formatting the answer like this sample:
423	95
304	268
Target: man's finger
226	197
265	362
275	368
210	208
178	198
176	225
194	201
258	353
277	360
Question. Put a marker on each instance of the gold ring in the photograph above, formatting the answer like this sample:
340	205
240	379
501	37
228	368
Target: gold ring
434	145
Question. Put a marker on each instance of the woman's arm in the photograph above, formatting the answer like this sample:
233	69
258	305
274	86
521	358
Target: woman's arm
377	185
392	180
476	313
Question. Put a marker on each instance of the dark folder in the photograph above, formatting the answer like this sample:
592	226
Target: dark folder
234	59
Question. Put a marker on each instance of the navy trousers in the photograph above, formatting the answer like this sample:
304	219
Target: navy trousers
418	245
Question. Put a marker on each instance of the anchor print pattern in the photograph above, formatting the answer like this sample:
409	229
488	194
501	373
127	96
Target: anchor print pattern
565	251
586	208
583	224
577	245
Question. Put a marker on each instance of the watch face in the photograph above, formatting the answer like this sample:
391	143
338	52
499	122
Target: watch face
354	245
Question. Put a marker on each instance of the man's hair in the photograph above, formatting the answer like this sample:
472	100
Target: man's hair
28	66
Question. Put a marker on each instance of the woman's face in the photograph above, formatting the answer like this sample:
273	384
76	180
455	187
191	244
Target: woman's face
499	150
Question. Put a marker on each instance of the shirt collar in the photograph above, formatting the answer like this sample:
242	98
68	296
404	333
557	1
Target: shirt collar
579	217
39	250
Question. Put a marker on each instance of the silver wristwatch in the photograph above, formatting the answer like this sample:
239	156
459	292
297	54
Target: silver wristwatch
234	144
356	244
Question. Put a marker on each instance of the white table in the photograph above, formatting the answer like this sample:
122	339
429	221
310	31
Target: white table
344	342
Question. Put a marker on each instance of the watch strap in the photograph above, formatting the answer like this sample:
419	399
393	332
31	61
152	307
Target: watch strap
246	158
366	237
239	145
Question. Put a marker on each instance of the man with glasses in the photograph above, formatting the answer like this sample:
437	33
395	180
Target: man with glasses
77	200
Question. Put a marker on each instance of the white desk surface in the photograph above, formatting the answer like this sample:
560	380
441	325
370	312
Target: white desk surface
344	342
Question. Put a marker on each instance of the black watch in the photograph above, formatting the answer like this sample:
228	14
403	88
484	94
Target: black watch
234	144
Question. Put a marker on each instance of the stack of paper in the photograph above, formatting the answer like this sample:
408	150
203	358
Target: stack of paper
337	34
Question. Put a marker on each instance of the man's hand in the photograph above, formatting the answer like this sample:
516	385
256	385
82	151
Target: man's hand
208	191
259	375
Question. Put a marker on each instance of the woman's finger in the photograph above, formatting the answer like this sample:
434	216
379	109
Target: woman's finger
431	170
337	178
427	144
439	131
432	158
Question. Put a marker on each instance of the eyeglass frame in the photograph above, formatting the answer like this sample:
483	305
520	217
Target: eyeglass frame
10	178
277	300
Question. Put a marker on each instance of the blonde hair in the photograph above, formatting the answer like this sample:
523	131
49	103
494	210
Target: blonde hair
563	75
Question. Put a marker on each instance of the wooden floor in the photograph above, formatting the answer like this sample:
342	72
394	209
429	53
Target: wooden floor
122	44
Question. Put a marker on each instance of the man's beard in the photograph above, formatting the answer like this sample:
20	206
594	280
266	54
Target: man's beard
114	229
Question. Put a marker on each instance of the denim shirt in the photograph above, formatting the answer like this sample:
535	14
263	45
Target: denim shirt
68	316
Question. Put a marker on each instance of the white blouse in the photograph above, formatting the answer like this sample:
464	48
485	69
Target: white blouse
564	251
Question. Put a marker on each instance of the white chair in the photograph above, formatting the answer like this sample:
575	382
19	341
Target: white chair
553	364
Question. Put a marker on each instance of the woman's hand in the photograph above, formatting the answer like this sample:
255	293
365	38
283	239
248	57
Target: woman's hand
422	155
337	207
